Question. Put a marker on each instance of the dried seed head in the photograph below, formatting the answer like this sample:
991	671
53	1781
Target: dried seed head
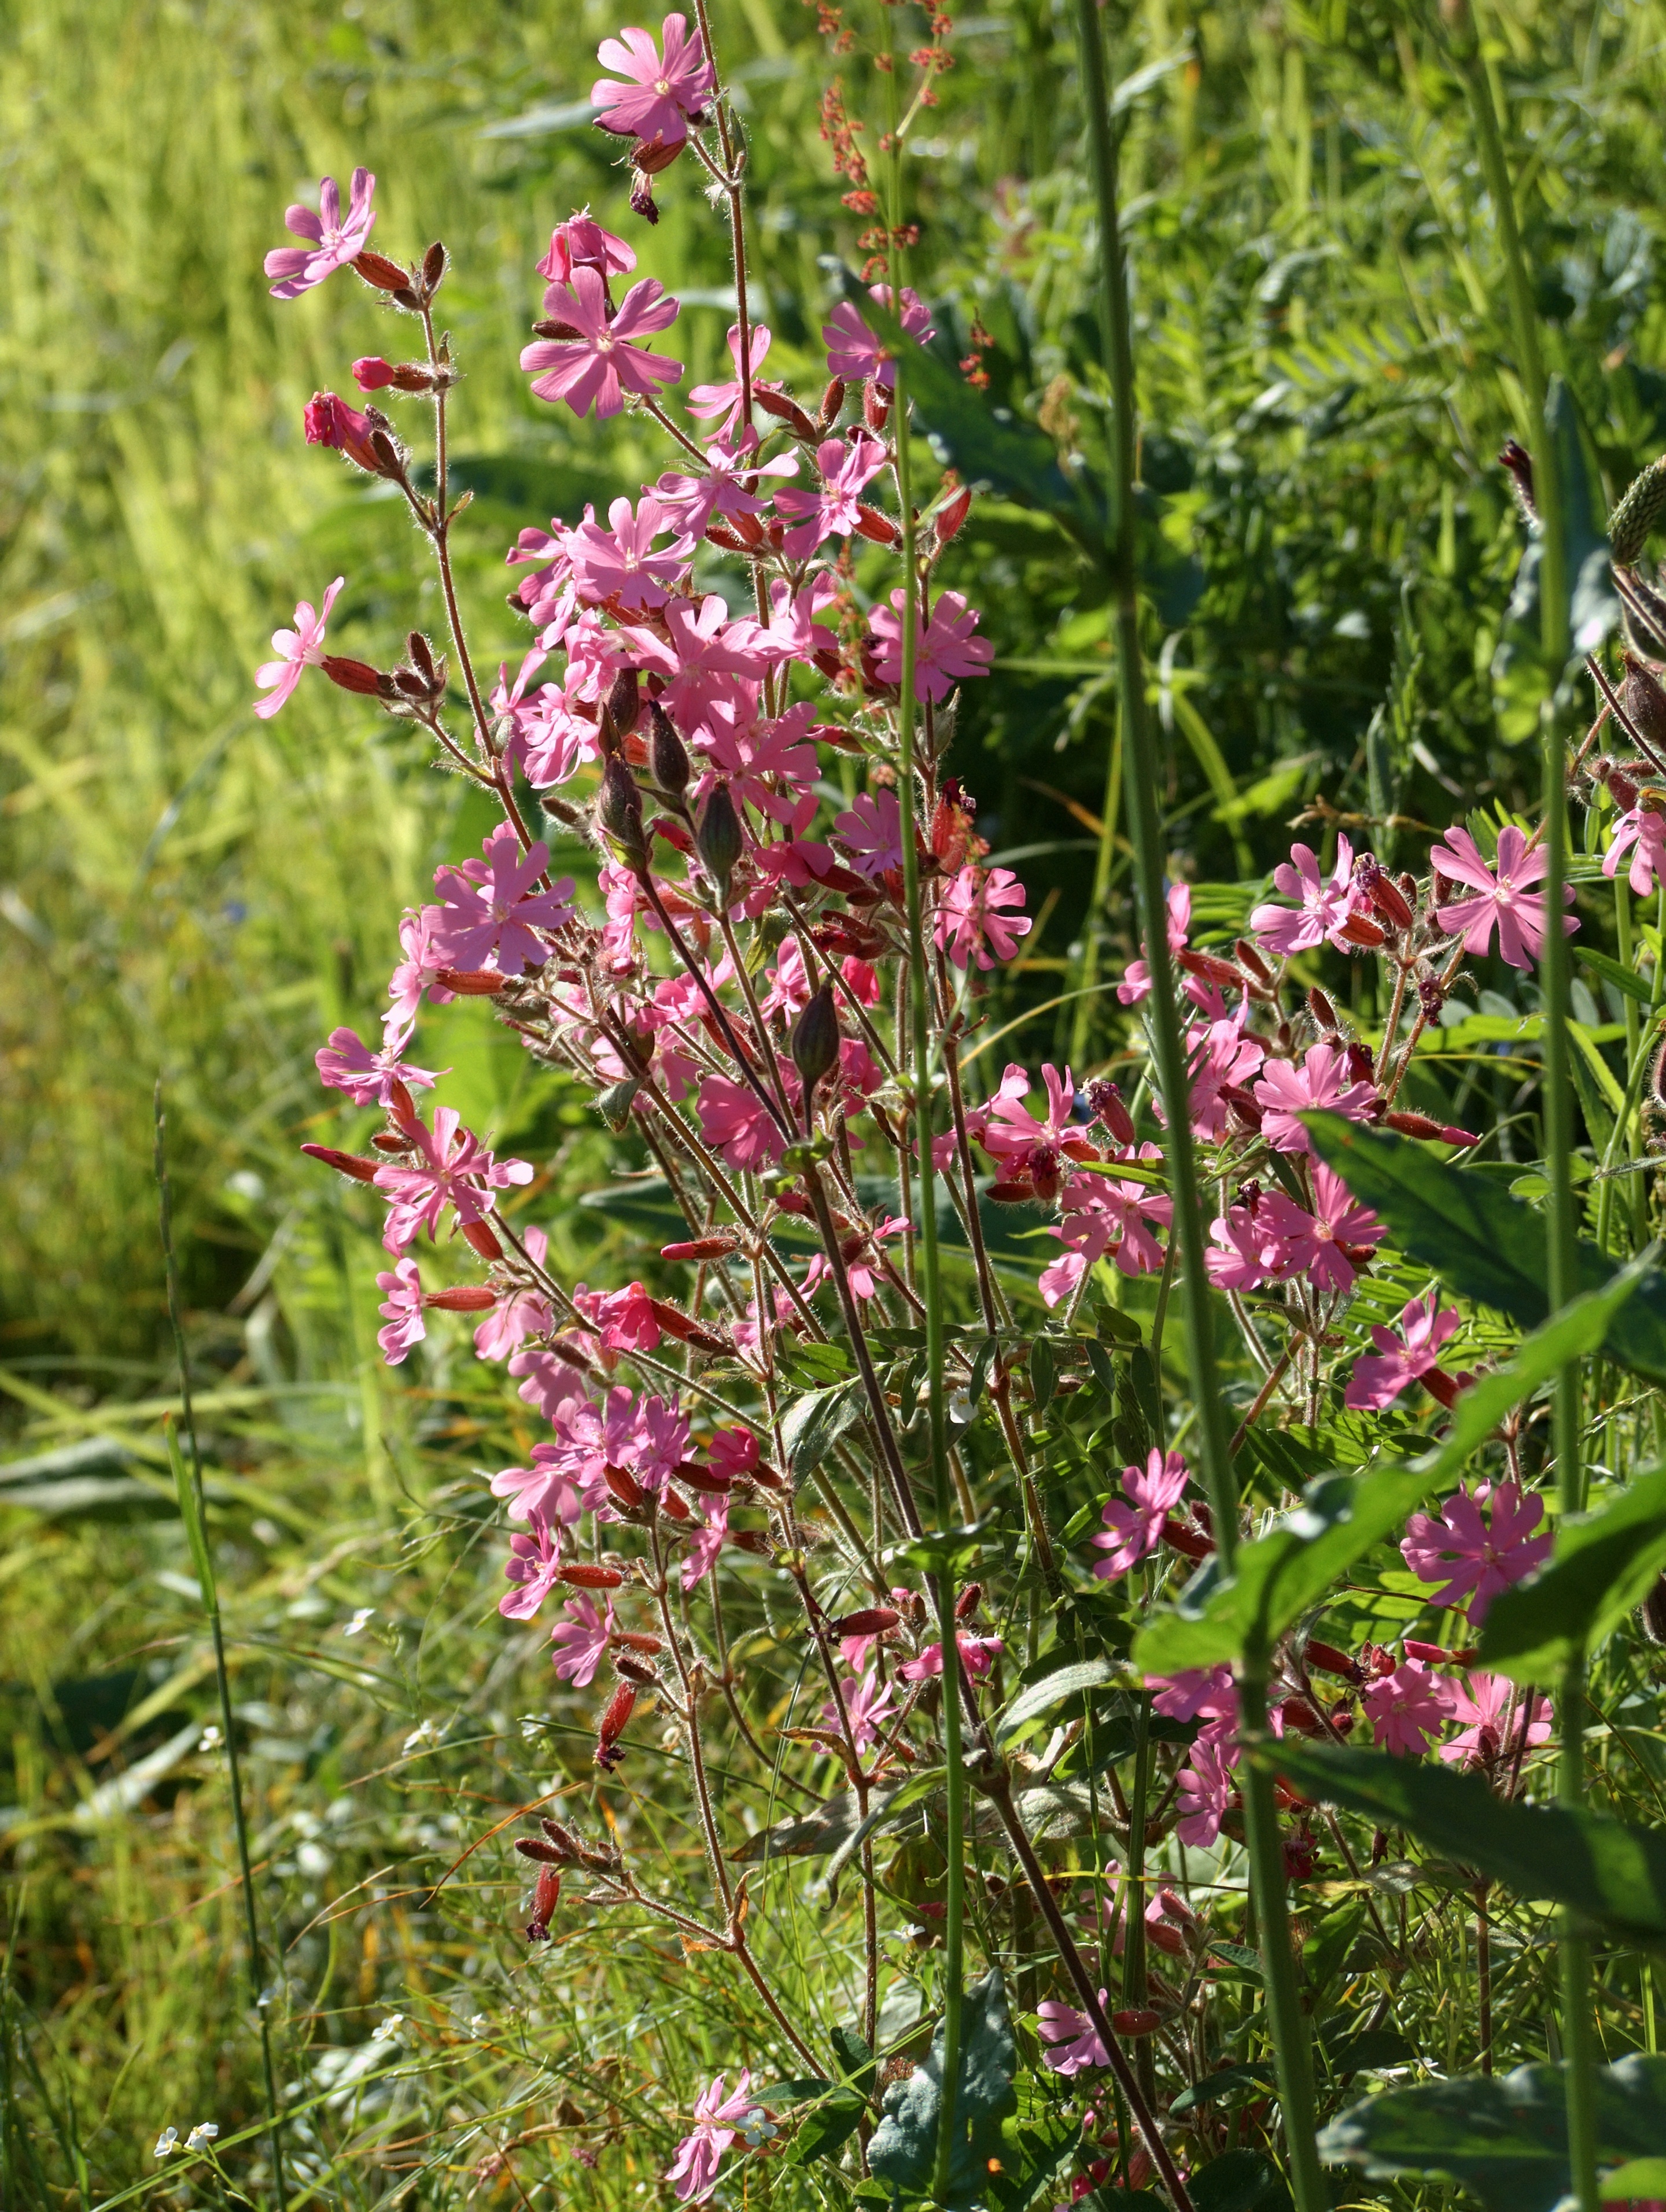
1638	513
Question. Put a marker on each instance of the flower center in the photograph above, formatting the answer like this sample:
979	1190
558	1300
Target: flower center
662	85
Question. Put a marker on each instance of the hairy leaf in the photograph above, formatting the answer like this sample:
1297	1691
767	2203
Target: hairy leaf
1485	1244
1505	2137
1606	1869
1604	1563
904	2150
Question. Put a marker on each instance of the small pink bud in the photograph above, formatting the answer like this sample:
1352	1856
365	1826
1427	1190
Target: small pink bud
371	373
466	1297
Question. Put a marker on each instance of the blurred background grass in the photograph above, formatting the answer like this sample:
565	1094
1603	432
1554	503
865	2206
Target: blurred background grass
184	891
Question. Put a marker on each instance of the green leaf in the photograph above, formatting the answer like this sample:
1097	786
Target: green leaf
1611	971
1604	1565
827	2127
811	1835
1033	2151
1239	2181
1304	1557
1610	1872
1505	2138
1053	1690
1484	1244
861	2068
1044	1372
812	1424
1639	2176
904	2150
1230	2085
1325	1950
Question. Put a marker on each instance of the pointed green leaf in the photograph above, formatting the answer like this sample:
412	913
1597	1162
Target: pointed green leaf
1306	1555
1239	2181
1604	1565
1504	2137
904	2150
1606	1869
1485	1244
1053	1690
812	1424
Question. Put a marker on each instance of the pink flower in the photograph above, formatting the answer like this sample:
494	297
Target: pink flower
1206	1788
703	653
1322	1079
1476	1559
451	1168
1206	1692
835	510
297	648
868	1704
872	833
582	243
707	400
863	1269
1639	828
852	351
734	1123
403	1309
662	97
944	650
367	1078
1219	1052
533	1564
1503	900
977	1655
522	1313
730	486
1245	1253
331	244
1322	910
417	973
1484	1701
581	1640
975	910
1136	1527
1315	1244
1405	1358
624	1320
710	1536
603	363
491	913
1409	1709
1136	982
619	563
329	421
1104	1214
1073	2041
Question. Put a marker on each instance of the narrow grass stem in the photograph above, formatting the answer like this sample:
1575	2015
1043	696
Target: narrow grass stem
189	1484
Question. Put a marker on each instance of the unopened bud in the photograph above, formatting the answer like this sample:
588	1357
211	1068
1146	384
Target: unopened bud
872	1621
478	1234
1645	701
1621	789
967	1602
1519	462
832	401
624	1486
1137	2020
667	756
619	811
699	1248
785	410
625	702
470	982
376	269
465	1297
876	405
352	675
1106	1104
434	268
371	373
545	1898
620	1707
719	840
345	1164
633	1670
1361	1066
951	518
816	1040
581	1574
1320	1008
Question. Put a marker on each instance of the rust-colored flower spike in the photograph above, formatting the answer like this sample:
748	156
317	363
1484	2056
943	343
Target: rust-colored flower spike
1639	512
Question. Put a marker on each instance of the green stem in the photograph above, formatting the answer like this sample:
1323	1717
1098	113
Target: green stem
1577	2029
930	1269
190	1487
1267	1879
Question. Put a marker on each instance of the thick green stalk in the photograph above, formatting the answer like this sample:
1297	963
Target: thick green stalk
1291	2051
189	1484
1549	491
931	1283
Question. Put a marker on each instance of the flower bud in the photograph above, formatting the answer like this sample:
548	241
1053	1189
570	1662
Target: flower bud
465	1297
620	1707
478	1235
352	675
1519	462
1639	513
951	517
872	1621
667	756
967	1602
816	1040
1138	2020
785	410
719	840
344	1162
1104	1103
1621	788
545	1898
1322	1010
624	1486
624	701
470	982
876	405
376	269
371	373
699	1248
619	811
580	1574
1330	1660
633	1670
1645	701
1421	1125
433	268
1361	1066
832	401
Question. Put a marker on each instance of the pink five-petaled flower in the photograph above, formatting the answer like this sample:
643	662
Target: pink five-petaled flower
735	1121
1072	2042
854	352
977	1656
521	1314
402	1308
493	912
1473	1558
944	650
297	648
835	510
707	400
663	96
1206	1787
603	362
871	832
1323	908
331	243
1503	899
1483	1702
717	2118
533	1568
1104	1215
1134	1528
1405	1357
708	1538
327	420
1313	1243
1409	1709
1321	1080
975	916
1136	982
580	1639
452	1168
1196	1692
346	1064
619	563
1642	831
867	1705
582	243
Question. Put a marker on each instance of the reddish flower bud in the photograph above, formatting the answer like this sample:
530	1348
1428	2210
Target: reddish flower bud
632	1670
699	1248
1251	957
1136	2020
634	1640
1208	966
1330	1660
620	1707
545	1898
1299	1717
785	410
706	1480
1104	1103
832	401
352	675
876	406
1356	930
387	275
580	1574
1190	1543
466	1297
1519	462
967	1603
624	1486
345	1164
1361	1066
878	528
1014	1190
951	518
685	1330
872	1621
1300	1855
479	1237
471	982
371	373
672	1505
1419	1125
